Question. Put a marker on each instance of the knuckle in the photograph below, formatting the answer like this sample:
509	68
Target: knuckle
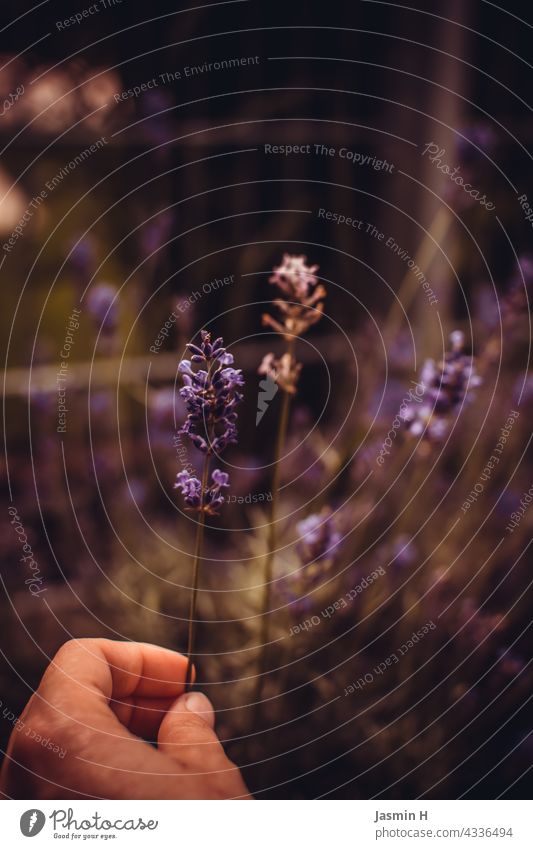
68	657
62	655
72	647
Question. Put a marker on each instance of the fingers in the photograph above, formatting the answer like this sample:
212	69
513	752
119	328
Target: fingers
141	716
96	700
119	669
90	686
85	675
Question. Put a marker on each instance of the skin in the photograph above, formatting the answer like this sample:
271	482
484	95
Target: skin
101	701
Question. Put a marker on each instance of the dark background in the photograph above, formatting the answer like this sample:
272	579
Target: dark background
168	205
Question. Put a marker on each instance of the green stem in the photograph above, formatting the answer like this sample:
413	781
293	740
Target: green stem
281	436
196	572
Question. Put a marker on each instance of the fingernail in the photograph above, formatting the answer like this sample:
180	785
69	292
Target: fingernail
199	704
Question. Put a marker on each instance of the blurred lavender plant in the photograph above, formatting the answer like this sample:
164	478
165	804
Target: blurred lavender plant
317	547
301	307
304	305
447	385
319	540
102	306
211	395
81	258
283	371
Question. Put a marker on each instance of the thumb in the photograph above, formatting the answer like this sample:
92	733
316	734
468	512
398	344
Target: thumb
187	736
187	733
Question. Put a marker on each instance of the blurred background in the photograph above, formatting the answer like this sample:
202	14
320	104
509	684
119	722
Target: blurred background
136	190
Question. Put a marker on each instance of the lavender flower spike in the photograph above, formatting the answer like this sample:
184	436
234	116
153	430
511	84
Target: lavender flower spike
303	302
316	549
447	385
211	394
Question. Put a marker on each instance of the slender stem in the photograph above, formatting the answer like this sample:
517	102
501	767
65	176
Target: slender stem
196	571
281	436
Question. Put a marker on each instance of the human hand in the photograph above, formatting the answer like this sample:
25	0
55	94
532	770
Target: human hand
100	701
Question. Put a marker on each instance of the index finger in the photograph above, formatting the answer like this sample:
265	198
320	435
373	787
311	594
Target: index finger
106	669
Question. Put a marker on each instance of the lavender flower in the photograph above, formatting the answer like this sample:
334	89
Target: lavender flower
211	395
102	306
316	549
283	370
81	257
294	277
446	387
304	305
319	539
191	489
302	308
403	551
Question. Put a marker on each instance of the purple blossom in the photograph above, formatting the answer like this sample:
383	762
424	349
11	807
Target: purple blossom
303	304
284	371
319	542
294	277
446	386
211	395
191	489
319	539
101	404
403	551
102	306
214	497
81	257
